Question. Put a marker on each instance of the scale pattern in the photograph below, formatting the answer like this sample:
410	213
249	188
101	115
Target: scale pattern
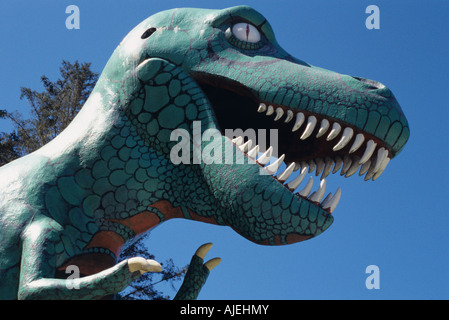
109	177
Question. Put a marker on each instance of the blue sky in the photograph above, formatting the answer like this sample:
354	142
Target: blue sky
398	222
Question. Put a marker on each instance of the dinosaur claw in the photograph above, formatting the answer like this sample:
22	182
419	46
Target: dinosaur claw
212	263
143	265
203	250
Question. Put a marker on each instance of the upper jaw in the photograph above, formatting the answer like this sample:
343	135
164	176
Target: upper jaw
327	144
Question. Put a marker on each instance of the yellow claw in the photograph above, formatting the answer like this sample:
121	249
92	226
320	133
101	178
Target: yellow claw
203	250
212	263
143	265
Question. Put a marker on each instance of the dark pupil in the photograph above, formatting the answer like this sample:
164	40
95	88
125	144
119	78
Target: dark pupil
148	33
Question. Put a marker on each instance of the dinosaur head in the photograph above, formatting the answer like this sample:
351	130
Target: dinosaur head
314	119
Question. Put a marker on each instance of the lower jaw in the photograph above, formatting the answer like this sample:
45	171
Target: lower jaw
262	210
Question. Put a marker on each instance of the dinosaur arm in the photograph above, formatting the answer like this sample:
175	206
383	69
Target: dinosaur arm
96	286
197	274
37	273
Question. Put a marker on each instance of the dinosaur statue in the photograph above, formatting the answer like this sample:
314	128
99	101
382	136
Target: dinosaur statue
110	176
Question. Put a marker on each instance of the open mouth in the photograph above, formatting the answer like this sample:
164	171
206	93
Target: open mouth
307	142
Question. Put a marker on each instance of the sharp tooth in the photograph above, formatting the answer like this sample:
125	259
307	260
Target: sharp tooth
270	111
299	121
253	152
332	203
297	181
246	146
262	108
327	168
324	126
382	154
306	191
338	164
370	173
272	168
336	128
364	168
263	159
319	166
297	166
347	135
289	116
279	114
312	166
370	147
318	195
354	167
347	161
357	142
238	141
325	202
287	172
381	169
311	123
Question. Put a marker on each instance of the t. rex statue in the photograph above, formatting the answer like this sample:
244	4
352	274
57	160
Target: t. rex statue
150	145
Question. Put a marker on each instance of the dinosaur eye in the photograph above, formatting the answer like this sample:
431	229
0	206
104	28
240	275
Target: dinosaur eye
246	32
148	33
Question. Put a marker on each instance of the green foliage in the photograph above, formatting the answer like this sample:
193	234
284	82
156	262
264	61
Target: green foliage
50	110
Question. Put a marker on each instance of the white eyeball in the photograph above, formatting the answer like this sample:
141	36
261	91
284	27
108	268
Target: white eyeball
246	32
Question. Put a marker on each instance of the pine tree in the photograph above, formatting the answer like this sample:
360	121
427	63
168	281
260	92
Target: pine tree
51	110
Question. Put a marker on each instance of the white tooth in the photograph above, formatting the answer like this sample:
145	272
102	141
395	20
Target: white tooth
318	195
325	202
332	204
364	168
311	123
287	172
299	121
279	114
357	142
297	166
347	135
347	161
312	166
354	167
370	147
264	158
324	126
297	181
306	191
327	168
336	128
381	169
246	146
270	111
338	164
253	152
289	116
382	154
370	173
272	168
262	108
238	141
319	166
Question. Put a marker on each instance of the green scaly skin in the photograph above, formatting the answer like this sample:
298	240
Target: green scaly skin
108	177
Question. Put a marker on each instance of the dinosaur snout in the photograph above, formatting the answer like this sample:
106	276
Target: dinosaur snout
371	87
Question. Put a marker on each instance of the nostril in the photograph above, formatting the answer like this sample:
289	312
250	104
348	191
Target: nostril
370	84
